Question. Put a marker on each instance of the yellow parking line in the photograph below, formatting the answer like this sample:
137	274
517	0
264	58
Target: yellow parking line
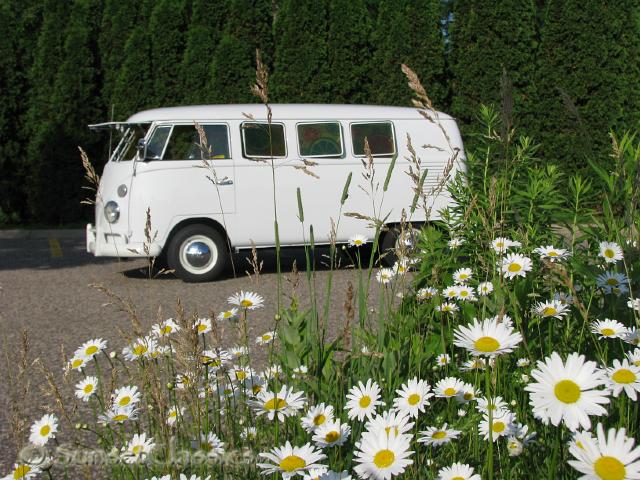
55	248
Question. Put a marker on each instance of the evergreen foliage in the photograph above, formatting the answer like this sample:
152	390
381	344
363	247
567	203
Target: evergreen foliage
249	27
348	47
301	69
134	86
166	29
587	79
488	39
408	31
205	31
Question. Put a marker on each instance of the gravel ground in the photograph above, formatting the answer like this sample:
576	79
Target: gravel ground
45	287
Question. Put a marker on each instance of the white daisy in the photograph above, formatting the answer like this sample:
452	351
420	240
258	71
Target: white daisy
283	404
172	415
632	336
488	337
228	314
291	461
44	429
634	304
488	403
624	376
91	348
211	444
448	387
22	471
443	359
381	457
608	328
202	325
551	308
413	397
474	363
485	288
385	275
119	414
501	422
609	457
634	357
465	293
247	300
272	372
450	292
77	362
447	307
215	359
249	433
166	328
85	388
462	275
567	392
363	400
466	394
316	417
126	396
613	283
239	351
426	293
140	348
455	243
390	422
523	362
266	338
436	436
501	244
401	266
137	449
551	253
458	471
610	251
357	240
515	265
331	434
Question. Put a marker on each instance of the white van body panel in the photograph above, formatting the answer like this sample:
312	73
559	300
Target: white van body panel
243	204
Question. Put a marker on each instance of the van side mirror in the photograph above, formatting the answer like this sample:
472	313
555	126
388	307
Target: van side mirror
142	149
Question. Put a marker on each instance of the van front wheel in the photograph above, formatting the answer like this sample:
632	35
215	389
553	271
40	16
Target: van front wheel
198	253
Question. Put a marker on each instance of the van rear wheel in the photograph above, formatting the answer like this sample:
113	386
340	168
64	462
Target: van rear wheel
198	253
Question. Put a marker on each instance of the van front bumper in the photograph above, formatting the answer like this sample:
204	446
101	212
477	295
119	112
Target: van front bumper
117	245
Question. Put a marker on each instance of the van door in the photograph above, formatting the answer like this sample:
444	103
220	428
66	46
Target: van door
174	181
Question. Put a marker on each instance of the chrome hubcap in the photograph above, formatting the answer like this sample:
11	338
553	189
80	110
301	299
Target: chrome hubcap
198	254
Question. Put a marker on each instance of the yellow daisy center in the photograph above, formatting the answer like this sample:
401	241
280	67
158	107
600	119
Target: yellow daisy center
607	332
549	311
21	471
612	281
609	253
567	391
365	401
120	417
515	267
439	435
637	363
137	449
319	419
449	392
256	389
468	396
552	253
91	350
357	242
166	330
609	468
78	362
246	303
227	314
458	478
140	350
124	401
88	388
464	293
413	399
266	337
201	327
292	463
498	427
463	276
624	376
275	404
486	344
44	430
241	374
331	437
384	458
173	414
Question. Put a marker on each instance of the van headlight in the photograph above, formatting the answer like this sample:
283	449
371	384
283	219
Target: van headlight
111	211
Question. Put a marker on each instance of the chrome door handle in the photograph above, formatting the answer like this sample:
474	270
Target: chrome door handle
224	181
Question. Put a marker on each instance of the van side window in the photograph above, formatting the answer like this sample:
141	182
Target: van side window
183	144
256	142
156	143
323	139
378	134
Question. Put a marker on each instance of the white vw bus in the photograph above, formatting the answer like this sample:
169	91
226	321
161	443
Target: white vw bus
157	165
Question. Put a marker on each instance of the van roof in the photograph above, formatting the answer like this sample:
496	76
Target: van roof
280	112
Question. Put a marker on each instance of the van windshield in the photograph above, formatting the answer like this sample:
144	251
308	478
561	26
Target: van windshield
127	145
